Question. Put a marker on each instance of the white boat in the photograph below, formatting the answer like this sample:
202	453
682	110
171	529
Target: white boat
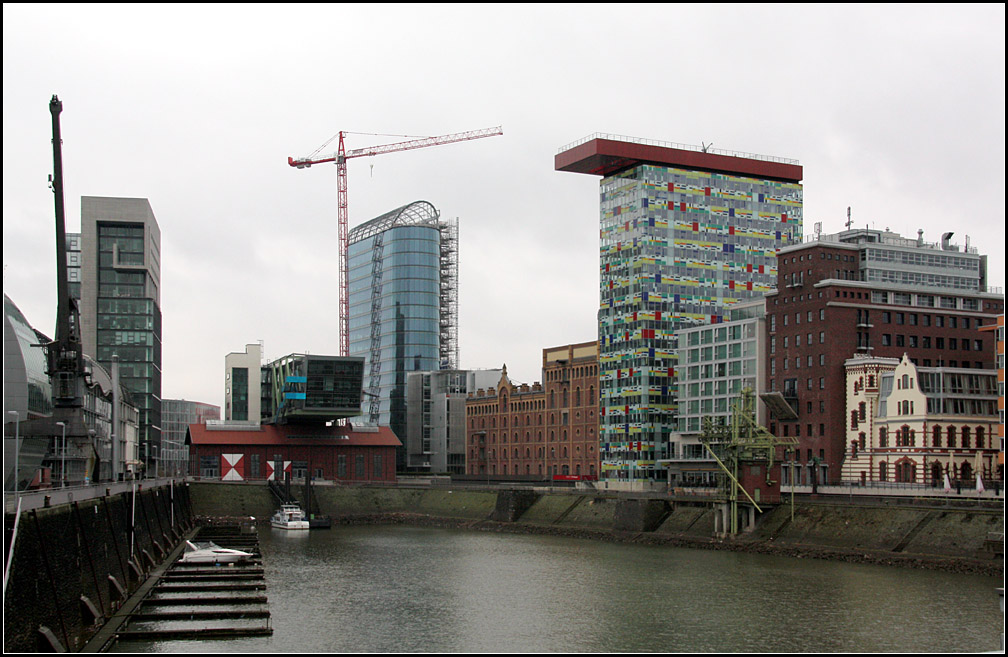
289	516
210	552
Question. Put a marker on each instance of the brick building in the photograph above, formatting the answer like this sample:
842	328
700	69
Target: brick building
866	292
543	430
265	452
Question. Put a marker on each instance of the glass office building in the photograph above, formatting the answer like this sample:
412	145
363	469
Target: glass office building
120	307
685	233
402	278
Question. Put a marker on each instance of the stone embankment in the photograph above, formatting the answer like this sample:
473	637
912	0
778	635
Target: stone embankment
907	535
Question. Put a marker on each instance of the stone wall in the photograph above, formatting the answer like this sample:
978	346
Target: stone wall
75	564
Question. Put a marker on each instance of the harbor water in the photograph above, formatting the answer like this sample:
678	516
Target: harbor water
414	589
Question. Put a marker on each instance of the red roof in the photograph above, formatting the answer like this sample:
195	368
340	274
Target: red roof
603	157
292	434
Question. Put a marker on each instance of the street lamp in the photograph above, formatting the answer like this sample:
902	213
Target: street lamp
17	425
63	465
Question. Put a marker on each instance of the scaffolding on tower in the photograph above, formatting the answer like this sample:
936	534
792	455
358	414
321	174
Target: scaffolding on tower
340	158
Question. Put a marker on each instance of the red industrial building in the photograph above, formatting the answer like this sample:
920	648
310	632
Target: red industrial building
265	452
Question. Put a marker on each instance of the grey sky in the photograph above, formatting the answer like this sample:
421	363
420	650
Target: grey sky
897	111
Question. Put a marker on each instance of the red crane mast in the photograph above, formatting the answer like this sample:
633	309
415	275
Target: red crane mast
340	157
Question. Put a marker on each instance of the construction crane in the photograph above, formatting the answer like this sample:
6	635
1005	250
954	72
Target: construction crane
340	157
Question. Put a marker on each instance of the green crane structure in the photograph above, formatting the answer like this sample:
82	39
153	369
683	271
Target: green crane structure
741	441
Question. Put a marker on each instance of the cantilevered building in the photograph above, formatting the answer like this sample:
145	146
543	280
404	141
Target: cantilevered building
685	232
403	286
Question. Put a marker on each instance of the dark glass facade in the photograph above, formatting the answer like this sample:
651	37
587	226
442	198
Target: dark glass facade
394	286
239	394
128	322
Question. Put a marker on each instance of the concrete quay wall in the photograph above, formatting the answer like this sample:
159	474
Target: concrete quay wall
914	534
73	565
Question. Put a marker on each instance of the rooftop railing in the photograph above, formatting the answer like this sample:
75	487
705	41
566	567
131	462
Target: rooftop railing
685	147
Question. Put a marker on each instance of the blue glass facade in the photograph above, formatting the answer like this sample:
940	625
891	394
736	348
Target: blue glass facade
394	284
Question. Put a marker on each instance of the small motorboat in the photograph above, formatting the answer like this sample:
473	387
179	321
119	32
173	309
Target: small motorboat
210	552
290	516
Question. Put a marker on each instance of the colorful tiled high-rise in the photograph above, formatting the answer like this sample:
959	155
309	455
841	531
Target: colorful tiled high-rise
684	234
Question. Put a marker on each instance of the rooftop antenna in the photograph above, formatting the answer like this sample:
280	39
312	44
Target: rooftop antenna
706	147
848	218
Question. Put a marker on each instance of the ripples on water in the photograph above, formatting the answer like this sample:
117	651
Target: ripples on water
408	589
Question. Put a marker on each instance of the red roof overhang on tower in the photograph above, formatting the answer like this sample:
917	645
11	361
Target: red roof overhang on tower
603	157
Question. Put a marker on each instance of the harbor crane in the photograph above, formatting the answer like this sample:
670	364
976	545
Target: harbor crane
340	157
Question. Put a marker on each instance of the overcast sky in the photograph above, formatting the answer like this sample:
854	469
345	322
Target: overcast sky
896	111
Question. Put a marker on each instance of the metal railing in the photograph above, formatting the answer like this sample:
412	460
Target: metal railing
685	147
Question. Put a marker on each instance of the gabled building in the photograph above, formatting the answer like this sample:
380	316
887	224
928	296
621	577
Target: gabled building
916	425
542	431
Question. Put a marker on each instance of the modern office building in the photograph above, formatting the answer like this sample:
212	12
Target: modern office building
866	293
310	389
685	233
403	287
542	431
436	417
295	389
120	302
915	425
242	390
176	416
716	362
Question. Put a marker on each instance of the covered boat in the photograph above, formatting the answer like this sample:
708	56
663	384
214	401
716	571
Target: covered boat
290	516
210	552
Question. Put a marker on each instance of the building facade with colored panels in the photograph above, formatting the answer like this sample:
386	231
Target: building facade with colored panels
685	233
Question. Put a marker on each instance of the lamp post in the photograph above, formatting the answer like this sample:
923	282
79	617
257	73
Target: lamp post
63	465
17	426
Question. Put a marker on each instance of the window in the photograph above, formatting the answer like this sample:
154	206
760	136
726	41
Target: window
359	467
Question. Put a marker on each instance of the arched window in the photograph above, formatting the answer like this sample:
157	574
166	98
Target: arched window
980	438
950	437
577	396
565	400
883	471
936	436
883	438
966	437
591	394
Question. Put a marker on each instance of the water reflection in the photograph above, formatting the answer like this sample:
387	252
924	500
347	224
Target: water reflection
407	589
